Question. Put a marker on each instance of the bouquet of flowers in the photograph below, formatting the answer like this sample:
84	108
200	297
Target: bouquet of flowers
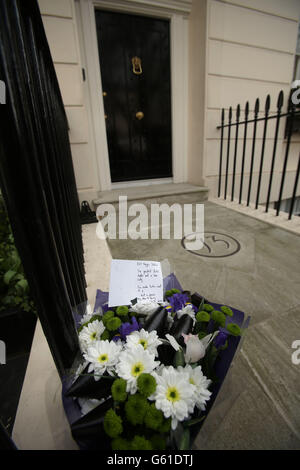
150	372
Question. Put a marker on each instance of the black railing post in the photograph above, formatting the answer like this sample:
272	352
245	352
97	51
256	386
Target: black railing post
295	189
228	151
37	177
289	134
244	151
221	152
256	110
279	106
267	108
238	111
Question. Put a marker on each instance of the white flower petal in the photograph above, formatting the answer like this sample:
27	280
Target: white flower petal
195	349
174	395
173	342
90	333
149	341
103	356
132	362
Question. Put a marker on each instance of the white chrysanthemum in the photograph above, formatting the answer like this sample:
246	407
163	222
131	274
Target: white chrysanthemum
103	356
132	363
88	315
149	341
90	333
85	318
201	382
144	308
174	394
187	310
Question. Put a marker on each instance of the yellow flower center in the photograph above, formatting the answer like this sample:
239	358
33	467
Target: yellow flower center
172	394
93	335
137	369
103	358
144	343
192	381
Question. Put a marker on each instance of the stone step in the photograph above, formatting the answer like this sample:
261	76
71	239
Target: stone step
156	193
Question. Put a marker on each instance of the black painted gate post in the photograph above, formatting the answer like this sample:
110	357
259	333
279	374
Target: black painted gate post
37	177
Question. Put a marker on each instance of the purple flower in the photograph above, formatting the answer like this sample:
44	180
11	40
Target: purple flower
116	338
178	301
127	328
105	308
221	338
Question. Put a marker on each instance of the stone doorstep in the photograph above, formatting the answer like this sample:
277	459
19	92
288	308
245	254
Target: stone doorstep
164	192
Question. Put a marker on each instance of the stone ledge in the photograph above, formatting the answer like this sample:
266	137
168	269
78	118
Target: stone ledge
150	192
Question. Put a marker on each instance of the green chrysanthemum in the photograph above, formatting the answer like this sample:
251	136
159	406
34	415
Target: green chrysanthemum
135	408
120	444
218	317
175	291
208	307
118	390
226	311
146	384
234	329
171	292
140	443
203	316
109	314
112	423
113	324
122	310
153	418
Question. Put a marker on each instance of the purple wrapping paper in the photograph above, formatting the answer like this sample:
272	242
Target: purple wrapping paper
71	406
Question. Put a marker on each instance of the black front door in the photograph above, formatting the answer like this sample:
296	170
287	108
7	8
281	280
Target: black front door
134	54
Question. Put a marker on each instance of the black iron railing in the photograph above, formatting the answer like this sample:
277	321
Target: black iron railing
233	124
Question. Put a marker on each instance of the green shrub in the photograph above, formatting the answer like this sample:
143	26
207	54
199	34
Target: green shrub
14	290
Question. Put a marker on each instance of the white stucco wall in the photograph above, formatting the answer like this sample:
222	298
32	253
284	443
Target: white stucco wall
250	48
238	50
62	34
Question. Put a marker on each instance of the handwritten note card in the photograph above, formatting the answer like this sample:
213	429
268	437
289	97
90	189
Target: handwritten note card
130	279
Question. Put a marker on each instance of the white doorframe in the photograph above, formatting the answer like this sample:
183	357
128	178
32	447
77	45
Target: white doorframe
177	12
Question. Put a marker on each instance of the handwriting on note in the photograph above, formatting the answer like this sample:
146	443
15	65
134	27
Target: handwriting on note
149	281
134	279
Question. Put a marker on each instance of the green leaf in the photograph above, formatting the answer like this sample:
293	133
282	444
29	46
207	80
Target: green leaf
191	422
8	276
208	362
184	443
23	284
201	305
179	358
108	377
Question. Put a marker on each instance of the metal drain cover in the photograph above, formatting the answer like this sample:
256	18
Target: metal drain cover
215	245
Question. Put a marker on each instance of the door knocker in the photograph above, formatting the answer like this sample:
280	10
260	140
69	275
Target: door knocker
136	65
